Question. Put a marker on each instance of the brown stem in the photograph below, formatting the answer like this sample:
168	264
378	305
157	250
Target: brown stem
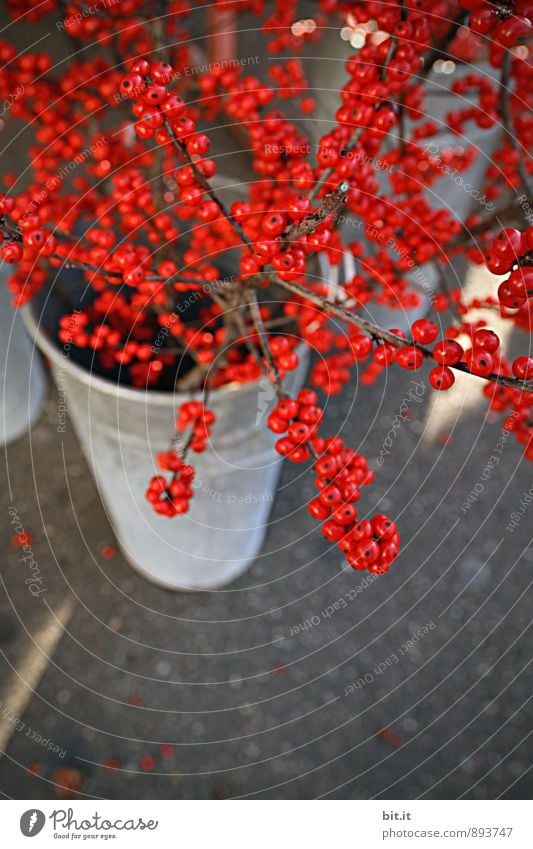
498	218
251	297
328	207
508	121
239	321
357	132
441	49
390	54
386	336
401	124
329	171
193	378
204	182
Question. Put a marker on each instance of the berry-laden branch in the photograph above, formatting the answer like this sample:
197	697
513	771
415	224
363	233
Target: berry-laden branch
330	204
181	147
387	336
184	286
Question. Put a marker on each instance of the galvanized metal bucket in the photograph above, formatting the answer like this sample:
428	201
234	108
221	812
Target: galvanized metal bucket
120	430
22	378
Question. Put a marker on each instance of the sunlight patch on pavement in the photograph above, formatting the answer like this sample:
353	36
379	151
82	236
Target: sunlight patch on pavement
445	409
21	685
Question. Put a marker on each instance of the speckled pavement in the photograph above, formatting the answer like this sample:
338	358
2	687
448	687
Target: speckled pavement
302	679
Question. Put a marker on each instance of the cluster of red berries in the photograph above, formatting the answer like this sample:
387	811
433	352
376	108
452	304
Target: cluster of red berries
195	417
171	498
299	418
512	251
390	17
151	260
372	544
29	234
165	116
268	246
366	544
480	359
509	23
341	472
517	404
331	374
11	252
283	356
289	77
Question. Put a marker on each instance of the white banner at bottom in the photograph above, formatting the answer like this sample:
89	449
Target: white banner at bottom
264	824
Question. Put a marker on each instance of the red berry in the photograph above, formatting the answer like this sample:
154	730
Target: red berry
441	377
382	526
274	223
161	72
480	362
288	362
483	20
367	550
332	531
11	252
520	282
131	85
486	339
330	496
300	454
310	414
410	357
287	409
276	423
279	345
307	397
141	66
448	352
424	331
361	346
318	510
362	530
155	95
285	446
507	244
299	432
326	466
299	207
345	514
384	354
388	552
523	368
498	265
512	31
508	297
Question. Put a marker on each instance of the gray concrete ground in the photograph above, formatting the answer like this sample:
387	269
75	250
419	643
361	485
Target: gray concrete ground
104	665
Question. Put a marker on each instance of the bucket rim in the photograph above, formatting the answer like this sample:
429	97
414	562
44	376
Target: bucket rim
110	387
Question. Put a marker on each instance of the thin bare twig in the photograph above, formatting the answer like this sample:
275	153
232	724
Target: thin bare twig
440	51
508	122
328	207
251	297
204	182
386	335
